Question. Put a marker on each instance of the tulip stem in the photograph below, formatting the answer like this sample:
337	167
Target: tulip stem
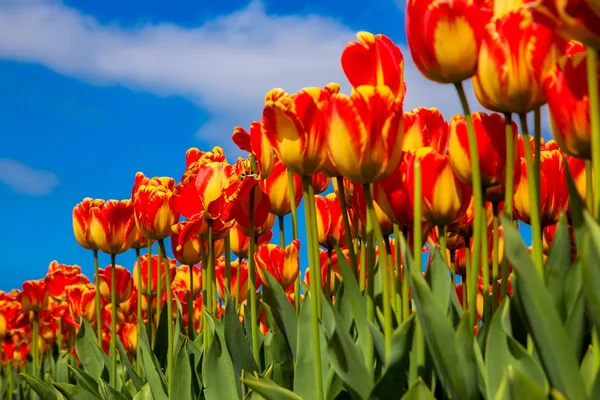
209	269
485	265
537	140
315	247
314	269
328	276
293	206
204	275
383	264
362	273
149	293
592	75
190	304
398	261
369	274
508	191
34	345
495	258
227	263
170	342
97	298
159	286
442	238
281	230
252	283
536	229
347	226
589	185
238	277
113	325
405	296
139	310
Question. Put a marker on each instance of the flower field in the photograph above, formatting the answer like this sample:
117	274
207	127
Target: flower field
216	307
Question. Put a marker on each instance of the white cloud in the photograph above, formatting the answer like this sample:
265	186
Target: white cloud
26	180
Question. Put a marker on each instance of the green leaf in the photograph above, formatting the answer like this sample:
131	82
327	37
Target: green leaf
588	370
218	376
575	306
439	279
196	354
343	353
546	327
277	352
45	390
73	392
161	340
90	355
577	209
150	366
61	373
557	266
591	270
283	311
378	340
334	385
181	387
304	377
144	394
418	391
269	389
465	346
135	379
237	345
85	380
109	393
516	384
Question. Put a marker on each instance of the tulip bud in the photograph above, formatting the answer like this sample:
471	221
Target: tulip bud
425	127
112	226
81	222
154	214
330	222
277	189
282	264
123	284
34	296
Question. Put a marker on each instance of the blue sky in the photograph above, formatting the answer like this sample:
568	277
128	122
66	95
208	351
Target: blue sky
92	92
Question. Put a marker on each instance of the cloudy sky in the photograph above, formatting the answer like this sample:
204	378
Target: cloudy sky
92	92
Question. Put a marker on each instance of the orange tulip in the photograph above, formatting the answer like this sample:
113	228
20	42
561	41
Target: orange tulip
59	276
464	225
385	217
81	302
425	127
567	90
143	268
295	126
154	214
572	19
330	222
112	226
348	190
81	222
363	131
123	284
128	335
277	189
233	289
444	197
320	183
282	264
140	242
375	61
324	260
554	194
259	206
239	242
392	198
188	252
34	296
491	148
578	173
213	181
256	143
3	326
516	55
436	29
182	278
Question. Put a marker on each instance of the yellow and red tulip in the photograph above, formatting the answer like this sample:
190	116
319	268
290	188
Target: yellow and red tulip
142	268
348	190
112	226
385	217
187	252
330	222
277	189
182	278
425	127
81	222
128	335
34	296
242	265
123	284
80	300
578	173
240	242
153	210
319	182
59	276
282	264
256	143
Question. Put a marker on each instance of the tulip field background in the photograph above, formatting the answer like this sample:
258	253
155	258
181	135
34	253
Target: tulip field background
358	249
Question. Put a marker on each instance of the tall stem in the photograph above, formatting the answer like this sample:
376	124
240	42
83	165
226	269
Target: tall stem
139	309
159	285
35	330
417	251
442	239
98	300
315	240
293	207
495	258
113	325
315	284
537	140
252	283
485	265
170	341
370	274
398	261
328	276
508	191
362	273
227	262
190	304
210	268
149	294
205	294
238	277
589	185
534	202
592	75
347	226
405	296
281	231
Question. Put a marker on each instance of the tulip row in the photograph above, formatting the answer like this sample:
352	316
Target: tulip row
401	181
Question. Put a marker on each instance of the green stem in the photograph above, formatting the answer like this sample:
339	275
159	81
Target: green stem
314	268
139	309
534	202
442	238
495	258
315	247
190	305
472	286
252	283
508	191
537	140
589	185
113	325
592	75
485	265
370	273
405	296
238	277
417	252
34	346
11	381
398	261
98	300
170	341
362	276
205	297
347	226
227	262
209	270
293	210
281	231
159	285
328	276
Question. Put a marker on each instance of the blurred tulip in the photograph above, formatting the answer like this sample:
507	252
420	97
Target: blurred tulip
81	222
188	252
34	296
515	57
425	127
460	261
294	124
112	226
123	284
151	198
239	242
140	242
60	276
464	225
323	260
256	143
182	278
435	29
348	190
578	173
521	145
282	264
128	336
320	183
330	222
363	130
491	148
566	88
572	19
392	198
3	326
548	236
259	206
143	267
80	299
554	194
359	206
444	197
277	189
374	61
233	289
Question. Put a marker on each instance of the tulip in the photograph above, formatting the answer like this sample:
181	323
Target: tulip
425	127
212	182
240	242
330	222
81	222
188	252
491	147
566	88
383	216
140	242
59	276
348	188
320	183
434	32
277	190
80	300
295	126
363	131
375	61
444	197
554	194
142	267
259	206
153	211
464	225
256	143
391	197
34	296
579	175
239	273
123	284
327	283
112	226
182	279
128	336
282	264
515	57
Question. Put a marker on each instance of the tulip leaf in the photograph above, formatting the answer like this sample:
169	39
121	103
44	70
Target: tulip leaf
557	266
84	380
270	390
575	306
237	345
92	358
44	389
218	376
591	270
588	370
577	211
61	373
181	388
304	376
161	340
334	383
135	379
344	355
439	279
545	324
378	340
144	394
150	366
74	392
109	393
515	383
277	352
282	309
418	391
465	346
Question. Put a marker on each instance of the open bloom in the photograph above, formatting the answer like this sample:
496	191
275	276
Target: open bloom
436	29
256	143
277	189
425	127
282	264
374	60
81	222
112	226
363	132
81	303
566	88
123	284
34	296
153	210
59	276
294	124
516	54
